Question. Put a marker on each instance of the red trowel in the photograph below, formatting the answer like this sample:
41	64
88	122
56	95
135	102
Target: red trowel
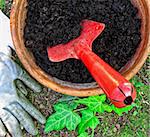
120	91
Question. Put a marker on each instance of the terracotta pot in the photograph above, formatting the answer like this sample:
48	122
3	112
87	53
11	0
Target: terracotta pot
18	15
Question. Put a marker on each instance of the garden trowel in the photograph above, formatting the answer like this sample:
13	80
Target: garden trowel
119	90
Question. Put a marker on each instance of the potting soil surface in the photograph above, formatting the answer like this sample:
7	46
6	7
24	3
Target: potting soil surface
52	22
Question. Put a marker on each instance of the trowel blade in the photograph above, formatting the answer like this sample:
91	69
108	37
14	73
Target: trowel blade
90	31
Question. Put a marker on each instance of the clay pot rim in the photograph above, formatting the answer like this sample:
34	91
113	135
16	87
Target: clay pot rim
61	86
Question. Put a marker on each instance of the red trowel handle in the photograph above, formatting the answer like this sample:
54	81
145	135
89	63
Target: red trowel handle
117	88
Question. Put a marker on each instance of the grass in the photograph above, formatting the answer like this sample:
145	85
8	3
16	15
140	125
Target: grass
2	4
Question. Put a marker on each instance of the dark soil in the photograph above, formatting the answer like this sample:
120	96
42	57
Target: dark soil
51	22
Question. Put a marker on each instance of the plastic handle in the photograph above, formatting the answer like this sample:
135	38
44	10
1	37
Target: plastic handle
117	88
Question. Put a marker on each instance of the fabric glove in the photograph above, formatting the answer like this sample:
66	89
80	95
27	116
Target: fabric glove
14	107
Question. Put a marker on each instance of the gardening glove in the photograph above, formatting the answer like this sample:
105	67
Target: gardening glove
5	35
14	107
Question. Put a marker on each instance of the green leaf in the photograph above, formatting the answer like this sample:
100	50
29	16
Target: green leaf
72	105
69	100
107	108
138	84
2	4
88	120
120	111
63	117
96	103
85	134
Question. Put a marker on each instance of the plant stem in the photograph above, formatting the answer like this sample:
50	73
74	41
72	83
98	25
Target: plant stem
80	109
92	135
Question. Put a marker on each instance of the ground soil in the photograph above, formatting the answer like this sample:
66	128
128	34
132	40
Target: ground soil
51	22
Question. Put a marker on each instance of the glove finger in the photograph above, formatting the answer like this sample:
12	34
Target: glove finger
30	82
11	123
31	109
20	73
12	66
23	118
2	129
21	87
